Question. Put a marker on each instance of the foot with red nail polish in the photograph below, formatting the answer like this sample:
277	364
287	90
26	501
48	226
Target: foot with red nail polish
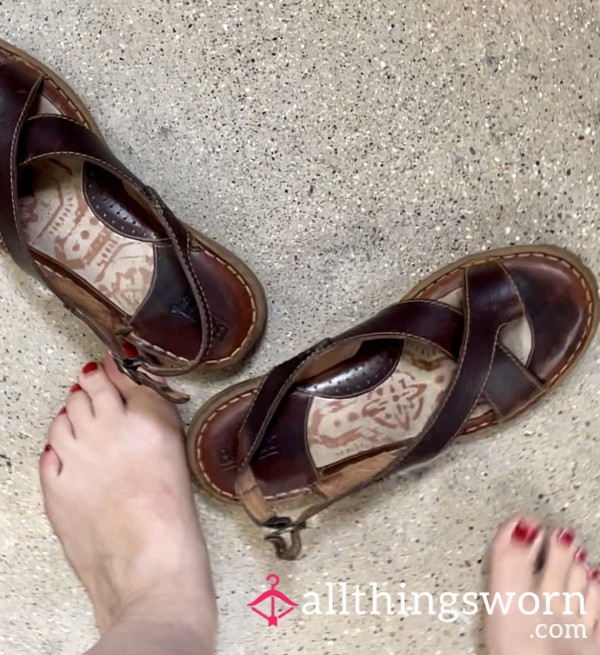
118	495
555	606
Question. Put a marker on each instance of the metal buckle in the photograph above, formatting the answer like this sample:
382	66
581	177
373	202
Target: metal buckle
129	366
281	525
278	523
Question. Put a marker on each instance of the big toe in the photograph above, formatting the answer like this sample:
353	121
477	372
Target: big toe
142	397
103	393
126	386
514	552
50	467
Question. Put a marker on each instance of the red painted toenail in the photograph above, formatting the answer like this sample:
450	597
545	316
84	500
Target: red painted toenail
76	388
62	410
580	555
90	367
594	574
47	448
566	537
129	351
525	533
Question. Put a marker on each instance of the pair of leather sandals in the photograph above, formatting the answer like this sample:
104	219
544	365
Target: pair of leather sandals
470	347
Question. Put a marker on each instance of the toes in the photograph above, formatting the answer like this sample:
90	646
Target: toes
142	398
576	585
578	576
50	466
133	392
79	406
60	437
104	395
125	385
515	551
592	601
560	556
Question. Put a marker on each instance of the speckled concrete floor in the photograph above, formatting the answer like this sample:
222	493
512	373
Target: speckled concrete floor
344	150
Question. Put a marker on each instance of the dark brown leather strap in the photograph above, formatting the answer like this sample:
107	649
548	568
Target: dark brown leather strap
491	301
419	319
18	91
508	383
180	239
48	136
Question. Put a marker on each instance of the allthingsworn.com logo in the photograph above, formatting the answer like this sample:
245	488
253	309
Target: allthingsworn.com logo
343	599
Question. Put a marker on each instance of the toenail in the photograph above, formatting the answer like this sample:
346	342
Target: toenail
47	448
525	533
90	367
580	555
594	574
129	351
566	537
62	410
76	388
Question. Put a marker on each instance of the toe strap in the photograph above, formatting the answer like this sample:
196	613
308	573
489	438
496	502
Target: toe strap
491	302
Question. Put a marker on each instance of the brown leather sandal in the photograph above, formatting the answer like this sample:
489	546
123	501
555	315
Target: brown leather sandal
472	346
163	297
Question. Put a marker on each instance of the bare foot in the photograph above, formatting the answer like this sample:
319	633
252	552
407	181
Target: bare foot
118	495
555	605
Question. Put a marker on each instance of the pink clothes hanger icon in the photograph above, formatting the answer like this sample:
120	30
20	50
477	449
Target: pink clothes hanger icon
272	594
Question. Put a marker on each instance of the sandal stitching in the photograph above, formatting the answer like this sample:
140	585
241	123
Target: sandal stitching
47	77
252	302
475	428
192	271
452	385
248	456
582	280
205	425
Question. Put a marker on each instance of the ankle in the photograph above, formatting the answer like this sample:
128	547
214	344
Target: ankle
169	607
195	616
161	625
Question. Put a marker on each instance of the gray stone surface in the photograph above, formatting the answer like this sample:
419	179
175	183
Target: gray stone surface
344	149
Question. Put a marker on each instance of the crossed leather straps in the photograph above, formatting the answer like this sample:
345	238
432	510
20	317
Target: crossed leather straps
486	370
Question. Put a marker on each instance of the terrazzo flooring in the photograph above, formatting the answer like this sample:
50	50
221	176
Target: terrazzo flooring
344	150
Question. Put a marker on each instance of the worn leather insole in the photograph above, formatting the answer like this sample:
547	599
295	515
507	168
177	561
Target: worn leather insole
59	222
392	411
